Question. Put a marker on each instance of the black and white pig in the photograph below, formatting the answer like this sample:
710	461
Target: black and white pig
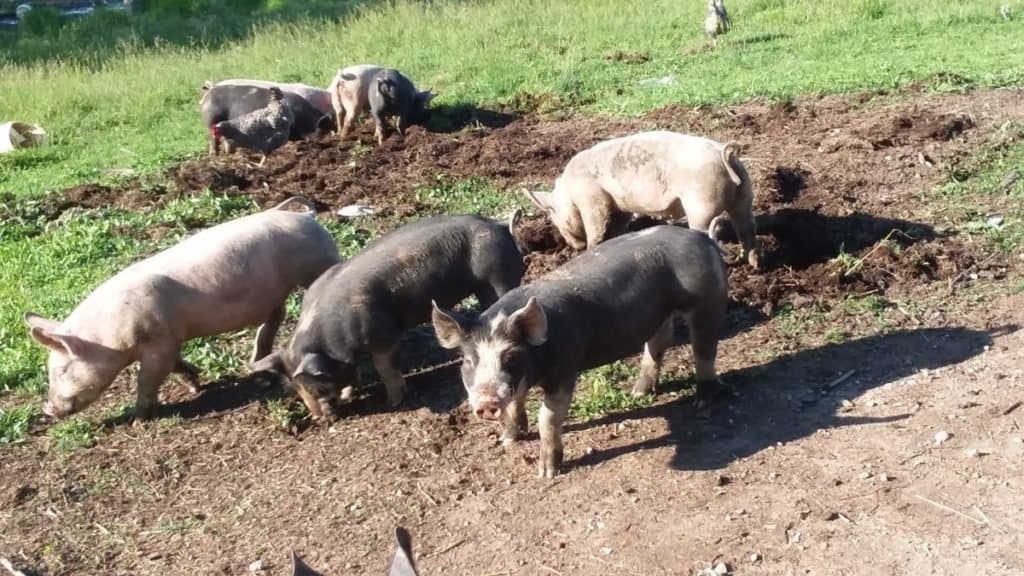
604	305
387	288
226	101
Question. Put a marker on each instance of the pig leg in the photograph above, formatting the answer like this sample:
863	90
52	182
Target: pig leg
394	384
516	424
154	368
350	116
190	372
266	333
654	351
381	126
552	415
596	211
705	325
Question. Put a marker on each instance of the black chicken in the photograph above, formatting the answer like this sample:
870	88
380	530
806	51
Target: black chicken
263	130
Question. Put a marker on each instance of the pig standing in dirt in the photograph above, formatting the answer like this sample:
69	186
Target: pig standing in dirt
383	92
602	306
228	277
661	174
226	101
365	304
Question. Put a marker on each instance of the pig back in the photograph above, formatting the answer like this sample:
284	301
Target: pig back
612	298
233	275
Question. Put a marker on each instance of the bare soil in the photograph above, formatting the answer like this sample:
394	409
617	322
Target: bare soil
821	459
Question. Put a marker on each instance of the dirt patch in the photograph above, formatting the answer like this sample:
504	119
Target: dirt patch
822	458
626	57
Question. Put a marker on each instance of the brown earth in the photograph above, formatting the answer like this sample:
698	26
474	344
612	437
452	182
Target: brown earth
796	471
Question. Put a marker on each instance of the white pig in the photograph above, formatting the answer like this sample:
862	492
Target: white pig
225	278
661	174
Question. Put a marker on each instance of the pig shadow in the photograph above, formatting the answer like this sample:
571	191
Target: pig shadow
790	397
448	118
803	238
759	39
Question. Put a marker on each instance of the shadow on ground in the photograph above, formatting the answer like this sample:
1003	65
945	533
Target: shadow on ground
791	397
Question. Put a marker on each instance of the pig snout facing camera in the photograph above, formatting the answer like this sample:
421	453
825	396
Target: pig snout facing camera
225	278
608	303
401	565
382	92
661	174
365	304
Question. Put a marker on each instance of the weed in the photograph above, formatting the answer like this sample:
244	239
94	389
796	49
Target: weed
286	412
72	434
607	390
14	422
471	196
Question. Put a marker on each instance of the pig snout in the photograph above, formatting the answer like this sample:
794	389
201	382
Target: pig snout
58	408
488	406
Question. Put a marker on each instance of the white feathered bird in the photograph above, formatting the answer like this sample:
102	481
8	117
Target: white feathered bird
717	20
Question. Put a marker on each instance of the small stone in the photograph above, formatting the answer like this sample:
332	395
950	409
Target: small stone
755	557
346	394
885	477
723	481
256	567
721	569
589	450
865	475
606	551
941	437
793	536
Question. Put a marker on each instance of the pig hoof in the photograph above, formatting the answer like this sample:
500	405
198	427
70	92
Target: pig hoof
643	387
511	437
547	472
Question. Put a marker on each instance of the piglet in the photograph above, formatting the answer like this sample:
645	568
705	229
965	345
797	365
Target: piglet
225	278
392	94
383	92
604	305
366	303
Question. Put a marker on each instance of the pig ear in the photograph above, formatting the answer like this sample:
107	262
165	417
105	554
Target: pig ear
541	200
347	76
403	564
450	333
269	363
532	322
426	96
45	332
300	568
314	365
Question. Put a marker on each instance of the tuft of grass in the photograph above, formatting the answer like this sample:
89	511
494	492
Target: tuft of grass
14	422
72	434
860	305
120	92
286	412
607	390
469	196
987	176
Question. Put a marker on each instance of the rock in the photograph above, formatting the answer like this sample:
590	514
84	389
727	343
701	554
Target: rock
606	551
941	437
755	557
721	569
865	475
355	210
256	567
885	477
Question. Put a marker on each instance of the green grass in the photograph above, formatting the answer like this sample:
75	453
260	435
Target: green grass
14	422
981	181
134	106
72	434
607	390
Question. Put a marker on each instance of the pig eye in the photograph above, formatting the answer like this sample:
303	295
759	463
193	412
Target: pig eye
468	360
511	361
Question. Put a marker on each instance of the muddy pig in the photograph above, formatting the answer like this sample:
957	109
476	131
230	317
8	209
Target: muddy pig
661	174
365	304
225	278
351	92
224	102
602	306
392	94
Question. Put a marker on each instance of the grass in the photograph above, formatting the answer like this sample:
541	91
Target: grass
71	434
14	422
984	179
606	390
132	105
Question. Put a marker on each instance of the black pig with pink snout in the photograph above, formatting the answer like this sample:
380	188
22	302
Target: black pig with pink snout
604	305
